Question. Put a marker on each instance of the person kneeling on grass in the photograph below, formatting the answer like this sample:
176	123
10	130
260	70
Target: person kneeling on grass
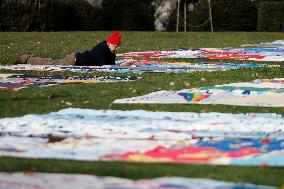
102	54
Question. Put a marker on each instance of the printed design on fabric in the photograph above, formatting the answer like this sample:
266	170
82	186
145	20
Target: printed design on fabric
256	54
260	92
141	66
176	137
74	181
21	81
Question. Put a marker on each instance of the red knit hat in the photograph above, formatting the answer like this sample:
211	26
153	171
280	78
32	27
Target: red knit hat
114	38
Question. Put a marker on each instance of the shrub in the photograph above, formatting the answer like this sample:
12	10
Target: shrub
270	16
47	15
128	15
228	15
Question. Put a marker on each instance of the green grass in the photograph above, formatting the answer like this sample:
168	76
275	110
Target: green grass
257	175
56	44
101	96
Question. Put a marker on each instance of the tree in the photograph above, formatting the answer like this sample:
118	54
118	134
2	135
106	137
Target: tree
128	15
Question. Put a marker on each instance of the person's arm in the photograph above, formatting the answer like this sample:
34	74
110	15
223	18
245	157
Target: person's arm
126	64
102	55
101	59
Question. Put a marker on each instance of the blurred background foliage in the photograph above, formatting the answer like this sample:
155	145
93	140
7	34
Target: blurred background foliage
140	15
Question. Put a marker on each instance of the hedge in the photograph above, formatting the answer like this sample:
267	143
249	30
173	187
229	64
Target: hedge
271	16
74	15
228	15
66	15
46	15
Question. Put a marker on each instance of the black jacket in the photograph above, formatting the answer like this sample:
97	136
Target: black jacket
98	56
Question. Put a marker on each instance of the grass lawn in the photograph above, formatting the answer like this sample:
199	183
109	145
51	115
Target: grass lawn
101	96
